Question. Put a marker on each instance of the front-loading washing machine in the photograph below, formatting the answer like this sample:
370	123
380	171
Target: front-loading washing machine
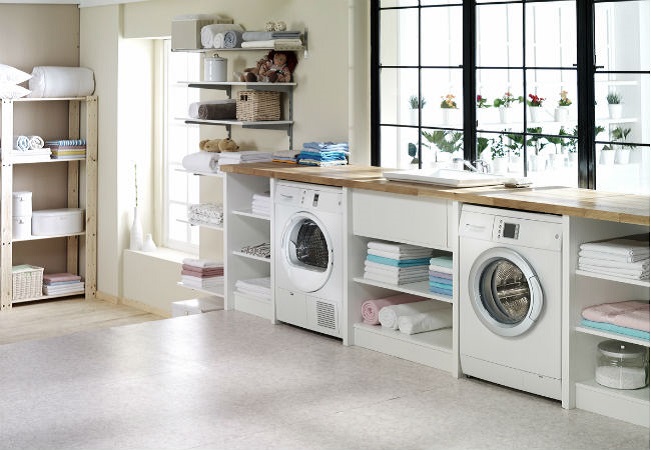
308	256
510	277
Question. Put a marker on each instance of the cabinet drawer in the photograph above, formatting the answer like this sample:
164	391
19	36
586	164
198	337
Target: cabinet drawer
401	218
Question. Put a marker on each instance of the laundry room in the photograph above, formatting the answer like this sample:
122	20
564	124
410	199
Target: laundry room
275	224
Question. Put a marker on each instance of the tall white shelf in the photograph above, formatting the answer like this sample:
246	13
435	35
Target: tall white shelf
583	289
81	248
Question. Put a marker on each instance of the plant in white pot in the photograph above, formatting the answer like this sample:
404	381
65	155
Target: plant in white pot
614	105
498	155
535	107
482	106
415	104
623	150
569	143
505	105
445	142
562	111
448	106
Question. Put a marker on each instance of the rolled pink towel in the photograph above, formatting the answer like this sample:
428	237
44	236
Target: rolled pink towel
371	308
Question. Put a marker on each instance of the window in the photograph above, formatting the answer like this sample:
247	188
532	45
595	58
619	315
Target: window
179	189
515	85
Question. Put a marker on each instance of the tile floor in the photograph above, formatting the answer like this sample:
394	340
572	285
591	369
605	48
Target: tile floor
228	380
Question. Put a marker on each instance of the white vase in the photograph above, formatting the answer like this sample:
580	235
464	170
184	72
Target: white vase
615	111
500	164
148	245
448	116
535	113
506	114
608	157
557	160
537	163
622	155
561	113
135	234
413	116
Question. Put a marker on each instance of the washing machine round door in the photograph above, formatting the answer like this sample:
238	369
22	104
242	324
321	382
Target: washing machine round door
505	292
307	252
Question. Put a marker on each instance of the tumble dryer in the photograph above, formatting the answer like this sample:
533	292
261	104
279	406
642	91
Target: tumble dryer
510	275
308	256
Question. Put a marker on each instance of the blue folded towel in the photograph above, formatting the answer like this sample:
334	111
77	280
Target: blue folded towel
437	290
398	263
616	329
440	285
441	281
322	156
326	145
443	261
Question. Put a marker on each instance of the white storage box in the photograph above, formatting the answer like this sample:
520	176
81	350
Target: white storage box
21	203
196	306
21	227
53	222
186	31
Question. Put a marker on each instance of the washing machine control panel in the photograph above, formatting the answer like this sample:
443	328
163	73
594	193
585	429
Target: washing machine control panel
508	230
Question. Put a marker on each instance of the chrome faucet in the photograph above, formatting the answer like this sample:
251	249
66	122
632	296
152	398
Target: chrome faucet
480	165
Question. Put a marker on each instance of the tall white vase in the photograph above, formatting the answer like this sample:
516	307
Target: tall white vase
135	236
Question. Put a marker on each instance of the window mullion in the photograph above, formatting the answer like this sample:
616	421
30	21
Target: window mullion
585	93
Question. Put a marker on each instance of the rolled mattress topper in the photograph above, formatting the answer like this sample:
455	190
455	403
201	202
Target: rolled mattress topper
58	81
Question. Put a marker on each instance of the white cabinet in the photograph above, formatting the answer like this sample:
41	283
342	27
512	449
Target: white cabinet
582	289
78	250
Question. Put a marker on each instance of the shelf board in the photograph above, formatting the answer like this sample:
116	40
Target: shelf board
439	339
420	288
48	160
250	214
202	174
585	273
227	84
50	99
218	291
249	124
49	297
638	395
609	335
492	126
203	225
55	236
255	257
237	49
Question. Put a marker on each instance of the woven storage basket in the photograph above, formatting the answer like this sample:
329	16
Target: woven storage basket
27	281
258	105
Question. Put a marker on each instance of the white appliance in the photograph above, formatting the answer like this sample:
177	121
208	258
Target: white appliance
510	272
308	256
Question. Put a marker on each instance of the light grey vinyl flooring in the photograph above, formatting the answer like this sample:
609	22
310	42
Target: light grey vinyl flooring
228	380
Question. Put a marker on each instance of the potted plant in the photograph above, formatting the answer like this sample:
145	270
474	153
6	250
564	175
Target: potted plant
415	104
614	105
482	106
446	143
498	155
412	150
535	107
505	103
562	111
623	150
448	105
569	143
557	159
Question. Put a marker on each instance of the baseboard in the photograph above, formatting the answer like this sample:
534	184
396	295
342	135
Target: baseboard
144	307
107	297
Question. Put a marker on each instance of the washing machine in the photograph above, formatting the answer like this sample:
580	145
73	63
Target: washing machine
510	277
308	256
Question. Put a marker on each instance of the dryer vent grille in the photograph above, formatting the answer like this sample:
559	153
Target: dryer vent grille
326	315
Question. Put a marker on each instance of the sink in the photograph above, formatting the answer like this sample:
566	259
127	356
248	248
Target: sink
446	177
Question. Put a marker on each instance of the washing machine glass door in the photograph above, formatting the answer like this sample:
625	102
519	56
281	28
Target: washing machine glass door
505	292
307	252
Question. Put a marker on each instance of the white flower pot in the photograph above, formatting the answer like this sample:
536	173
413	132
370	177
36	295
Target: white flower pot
535	113
449	116
500	165
561	113
615	111
537	163
413	119
622	155
557	160
607	157
507	115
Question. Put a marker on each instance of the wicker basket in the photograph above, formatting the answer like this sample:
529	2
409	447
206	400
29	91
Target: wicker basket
258	105
27	281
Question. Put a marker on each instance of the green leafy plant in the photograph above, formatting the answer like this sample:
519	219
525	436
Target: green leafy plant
482	144
497	147
506	100
413	152
613	98
448	102
445	140
535	101
564	100
620	134
415	103
482	102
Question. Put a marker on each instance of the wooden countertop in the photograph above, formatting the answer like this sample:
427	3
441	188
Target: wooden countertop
610	206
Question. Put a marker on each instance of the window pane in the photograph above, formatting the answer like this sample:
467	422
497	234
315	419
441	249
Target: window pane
399	147
558	91
499	35
502	90
399	96
551	34
441	36
622	35
399	37
445	89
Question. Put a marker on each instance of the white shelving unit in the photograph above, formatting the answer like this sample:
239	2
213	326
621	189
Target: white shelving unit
583	289
81	257
217	291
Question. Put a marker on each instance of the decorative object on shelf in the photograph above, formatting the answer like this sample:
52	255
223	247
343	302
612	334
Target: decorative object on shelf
505	103
614	105
258	105
135	236
622	365
535	107
562	111
148	245
448	105
276	67
218	145
214	68
415	104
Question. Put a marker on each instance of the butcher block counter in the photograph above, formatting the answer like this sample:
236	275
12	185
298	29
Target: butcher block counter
609	206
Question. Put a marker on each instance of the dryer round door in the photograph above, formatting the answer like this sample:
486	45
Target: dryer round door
505	292
307	252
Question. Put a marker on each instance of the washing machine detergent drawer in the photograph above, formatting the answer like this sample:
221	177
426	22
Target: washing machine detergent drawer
307	311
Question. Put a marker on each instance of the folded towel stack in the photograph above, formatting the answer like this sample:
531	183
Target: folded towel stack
396	263
62	284
277	40
630	318
258	288
371	308
206	213
324	154
201	162
249	156
202	273
625	258
440	275
262	250
215	35
416	317
261	204
285	156
67	148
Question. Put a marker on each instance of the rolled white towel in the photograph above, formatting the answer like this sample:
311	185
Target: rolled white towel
201	162
427	321
389	315
36	142
208	32
218	40
21	143
54	81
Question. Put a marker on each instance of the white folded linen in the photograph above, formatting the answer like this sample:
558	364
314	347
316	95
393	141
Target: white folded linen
12	91
254	294
208	32
642	264
258	44
395	248
386	269
211	282
611	256
395	279
640	274
202	263
201	162
260	285
426	321
623	246
55	81
401	256
389	315
440	268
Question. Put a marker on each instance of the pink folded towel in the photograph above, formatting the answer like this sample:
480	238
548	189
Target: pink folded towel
371	308
630	314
